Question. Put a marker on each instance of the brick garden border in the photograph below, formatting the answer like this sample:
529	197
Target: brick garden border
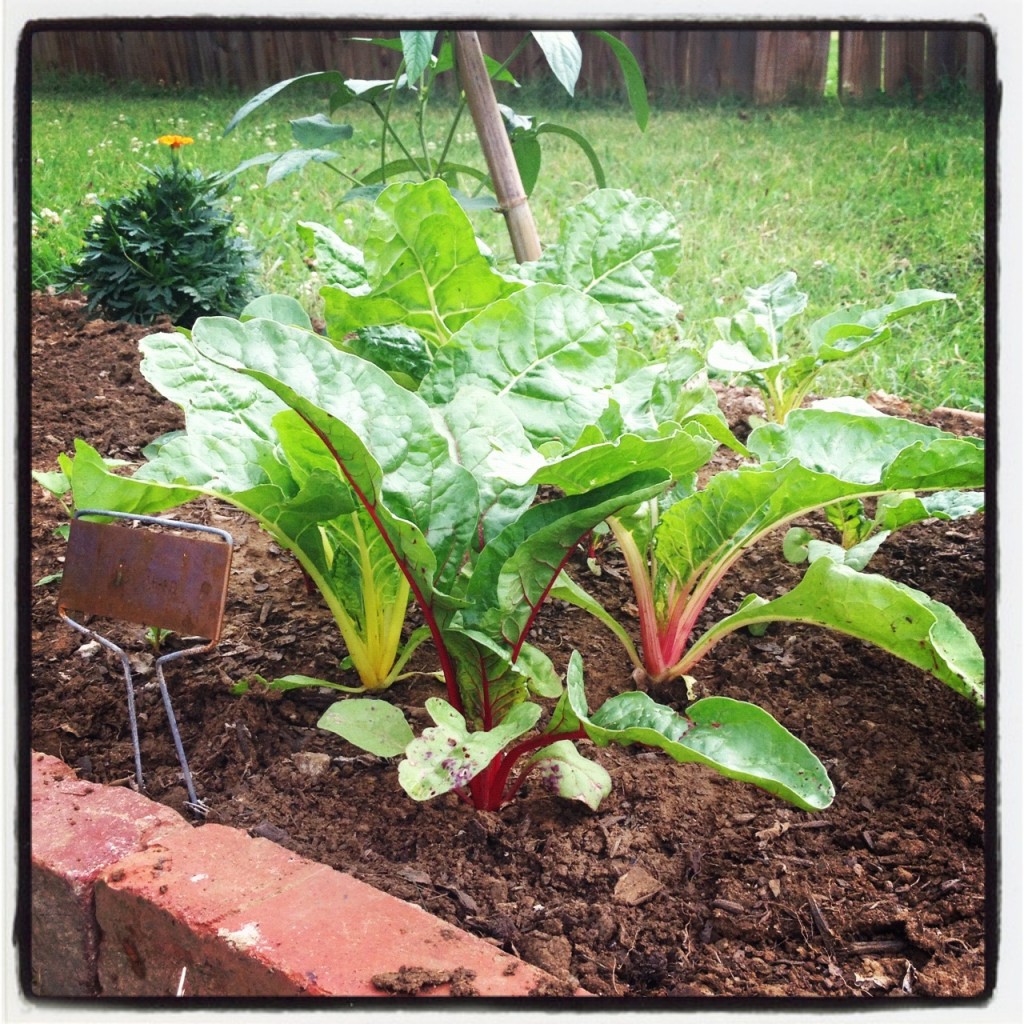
128	899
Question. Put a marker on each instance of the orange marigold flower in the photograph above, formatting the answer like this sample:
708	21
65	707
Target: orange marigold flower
175	141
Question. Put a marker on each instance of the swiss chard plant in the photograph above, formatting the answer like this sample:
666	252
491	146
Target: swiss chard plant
411	147
755	348
679	546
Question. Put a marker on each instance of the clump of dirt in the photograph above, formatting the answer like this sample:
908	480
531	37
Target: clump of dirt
682	884
411	981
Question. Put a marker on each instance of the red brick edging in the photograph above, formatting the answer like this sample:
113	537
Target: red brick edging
129	899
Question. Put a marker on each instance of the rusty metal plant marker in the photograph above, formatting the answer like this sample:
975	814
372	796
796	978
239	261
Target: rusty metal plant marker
153	578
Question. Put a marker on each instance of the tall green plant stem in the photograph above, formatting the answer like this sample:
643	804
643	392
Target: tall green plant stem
444	656
387	128
494	142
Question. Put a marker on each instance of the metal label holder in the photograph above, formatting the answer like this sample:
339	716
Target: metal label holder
152	578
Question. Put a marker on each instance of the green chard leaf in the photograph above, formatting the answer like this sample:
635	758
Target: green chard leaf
547	352
620	250
338	263
679	451
448	755
736	739
486	438
282	308
382	436
372	725
423	265
515	572
897	454
561	769
817	458
894	617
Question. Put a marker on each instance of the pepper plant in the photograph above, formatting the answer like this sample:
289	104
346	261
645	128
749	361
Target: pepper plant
407	150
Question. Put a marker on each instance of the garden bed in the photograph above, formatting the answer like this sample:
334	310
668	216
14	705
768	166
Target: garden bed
682	884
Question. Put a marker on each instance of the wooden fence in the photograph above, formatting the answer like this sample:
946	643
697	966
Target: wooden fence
760	66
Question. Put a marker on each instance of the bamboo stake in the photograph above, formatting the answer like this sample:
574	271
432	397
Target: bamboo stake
494	141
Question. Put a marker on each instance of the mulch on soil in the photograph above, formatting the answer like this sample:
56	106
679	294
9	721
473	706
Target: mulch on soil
682	884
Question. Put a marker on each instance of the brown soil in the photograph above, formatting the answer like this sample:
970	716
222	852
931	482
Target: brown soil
681	884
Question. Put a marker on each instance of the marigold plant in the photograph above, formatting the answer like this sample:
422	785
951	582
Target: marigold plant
168	247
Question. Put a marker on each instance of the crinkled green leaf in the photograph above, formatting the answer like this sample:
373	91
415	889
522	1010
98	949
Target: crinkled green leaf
800	546
337	262
774	304
95	486
230	445
648	396
543	678
733	510
547	352
679	453
899	454
424	266
901	510
396	349
281	308
515	572
561	769
894	617
850	330
620	250
831	456
382	435
490	683
490	442
751	341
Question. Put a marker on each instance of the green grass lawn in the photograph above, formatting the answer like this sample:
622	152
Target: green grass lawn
859	201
